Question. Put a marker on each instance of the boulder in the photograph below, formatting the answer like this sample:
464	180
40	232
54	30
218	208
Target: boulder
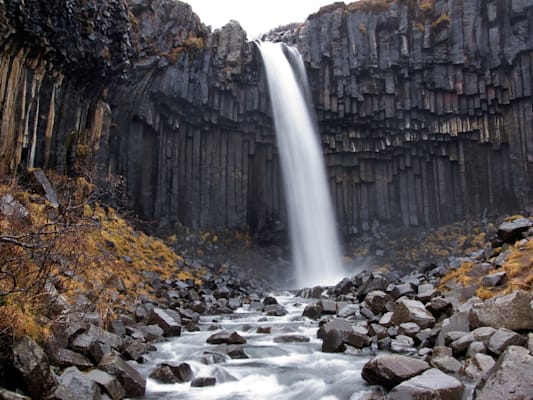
376	300
291	339
234	351
108	382
502	339
343	287
328	306
334	333
68	358
166	322
312	311
358	338
512	231
137	349
412	311
182	371
403	289
31	362
164	374
478	366
275	310
512	311
74	385
446	364
82	343
510	378
388	370
349	310
204	381
226	337
132	381
104	336
476	348
432	384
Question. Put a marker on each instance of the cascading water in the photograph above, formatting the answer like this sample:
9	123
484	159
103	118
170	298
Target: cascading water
315	244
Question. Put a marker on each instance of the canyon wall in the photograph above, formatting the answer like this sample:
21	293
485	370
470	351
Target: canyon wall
424	107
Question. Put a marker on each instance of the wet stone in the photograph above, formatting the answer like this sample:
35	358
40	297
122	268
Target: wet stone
504	338
226	337
432	384
388	370
291	339
204	381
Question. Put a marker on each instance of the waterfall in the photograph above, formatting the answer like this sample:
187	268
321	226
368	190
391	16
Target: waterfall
315	245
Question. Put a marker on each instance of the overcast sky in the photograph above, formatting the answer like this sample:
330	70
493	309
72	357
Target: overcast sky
255	16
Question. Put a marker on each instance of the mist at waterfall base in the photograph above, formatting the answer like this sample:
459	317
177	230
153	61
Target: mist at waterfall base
315	244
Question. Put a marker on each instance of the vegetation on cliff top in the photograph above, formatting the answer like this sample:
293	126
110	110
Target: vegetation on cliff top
51	257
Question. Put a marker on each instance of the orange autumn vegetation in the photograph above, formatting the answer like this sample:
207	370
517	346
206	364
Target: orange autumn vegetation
81	247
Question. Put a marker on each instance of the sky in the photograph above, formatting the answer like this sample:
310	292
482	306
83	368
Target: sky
255	16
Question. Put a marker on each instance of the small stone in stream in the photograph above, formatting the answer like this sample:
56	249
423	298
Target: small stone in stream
432	384
234	351
478	366
476	348
108	382
388	370
226	337
493	279
67	358
223	376
328	306
513	311
275	310
213	357
510	378
376	300
182	371
312	311
334	333
512	231
412	311
202	381
131	380
164	374
446	364
291	339
264	329
504	338
270	300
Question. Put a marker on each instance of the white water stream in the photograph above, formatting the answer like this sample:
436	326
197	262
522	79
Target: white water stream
314	240
274	371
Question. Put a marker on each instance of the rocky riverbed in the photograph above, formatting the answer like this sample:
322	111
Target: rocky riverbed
372	336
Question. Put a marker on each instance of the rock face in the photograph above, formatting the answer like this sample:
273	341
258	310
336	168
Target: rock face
424	107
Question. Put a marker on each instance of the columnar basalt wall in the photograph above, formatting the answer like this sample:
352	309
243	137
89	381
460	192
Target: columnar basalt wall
424	107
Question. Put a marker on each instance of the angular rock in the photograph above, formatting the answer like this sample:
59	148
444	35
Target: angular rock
513	311
202	381
68	358
234	351
226	337
166	322
377	300
446	364
74	385
182	371
504	338
358	338
334	333
328	306
403	289
312	311
349	310
512	231
131	380
388	370
275	310
108	382
478	366
510	378
432	384
164	374
31	362
412	311
104	336
343	287
476	348
137	349
291	339
493	279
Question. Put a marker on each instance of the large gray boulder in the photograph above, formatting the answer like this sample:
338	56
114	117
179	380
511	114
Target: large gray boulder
504	338
162	318
376	300
74	385
432	384
407	310
334	333
132	381
108	382
31	362
510	379
511	231
512	311
388	370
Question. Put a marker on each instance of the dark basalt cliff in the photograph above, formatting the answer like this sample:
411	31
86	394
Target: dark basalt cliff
425	107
